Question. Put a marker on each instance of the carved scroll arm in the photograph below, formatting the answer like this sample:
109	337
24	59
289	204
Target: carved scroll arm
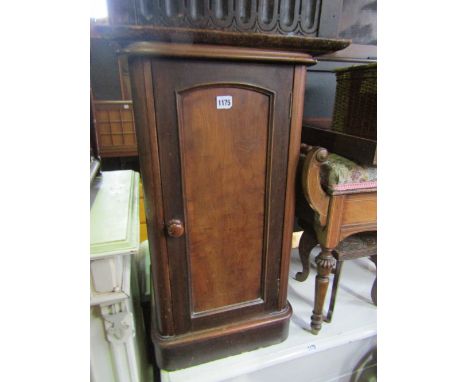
311	185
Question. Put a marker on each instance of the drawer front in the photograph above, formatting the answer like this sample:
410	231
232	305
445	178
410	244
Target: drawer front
223	132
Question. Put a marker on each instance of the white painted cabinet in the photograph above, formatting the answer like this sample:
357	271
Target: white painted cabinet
116	322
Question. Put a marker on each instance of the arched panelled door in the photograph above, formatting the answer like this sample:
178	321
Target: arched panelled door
223	133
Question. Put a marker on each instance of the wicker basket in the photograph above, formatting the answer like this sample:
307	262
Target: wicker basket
355	109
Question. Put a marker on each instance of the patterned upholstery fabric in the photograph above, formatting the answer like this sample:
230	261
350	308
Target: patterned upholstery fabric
342	176
358	245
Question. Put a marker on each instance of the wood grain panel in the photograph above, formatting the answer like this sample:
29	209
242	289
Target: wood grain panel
224	161
173	77
360	208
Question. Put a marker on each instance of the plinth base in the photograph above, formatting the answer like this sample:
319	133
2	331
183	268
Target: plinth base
194	348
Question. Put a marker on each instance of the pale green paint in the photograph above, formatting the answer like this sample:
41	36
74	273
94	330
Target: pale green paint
115	214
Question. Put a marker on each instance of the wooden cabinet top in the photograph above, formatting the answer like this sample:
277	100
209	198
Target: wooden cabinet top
292	43
216	52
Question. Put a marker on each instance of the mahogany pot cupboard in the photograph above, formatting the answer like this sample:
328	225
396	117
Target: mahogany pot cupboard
218	132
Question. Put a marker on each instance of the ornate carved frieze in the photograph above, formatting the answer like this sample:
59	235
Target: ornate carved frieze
297	17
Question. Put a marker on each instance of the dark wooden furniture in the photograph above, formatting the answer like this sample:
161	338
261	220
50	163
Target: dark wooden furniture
284	17
352	132
328	220
218	133
358	149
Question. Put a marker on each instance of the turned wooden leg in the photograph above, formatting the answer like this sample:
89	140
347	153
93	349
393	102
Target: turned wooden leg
336	281
325	262
306	245
374	286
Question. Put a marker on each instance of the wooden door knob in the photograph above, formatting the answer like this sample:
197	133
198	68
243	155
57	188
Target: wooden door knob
175	228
